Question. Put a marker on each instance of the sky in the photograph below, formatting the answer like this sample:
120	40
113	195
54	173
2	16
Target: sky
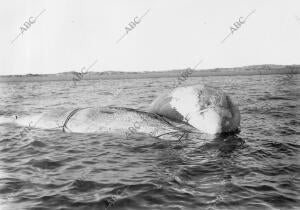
173	34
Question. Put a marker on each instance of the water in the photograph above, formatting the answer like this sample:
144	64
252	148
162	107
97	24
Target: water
257	169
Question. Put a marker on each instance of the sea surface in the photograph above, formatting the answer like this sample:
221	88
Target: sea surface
259	168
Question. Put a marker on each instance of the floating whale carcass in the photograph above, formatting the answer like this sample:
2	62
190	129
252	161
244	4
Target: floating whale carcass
185	109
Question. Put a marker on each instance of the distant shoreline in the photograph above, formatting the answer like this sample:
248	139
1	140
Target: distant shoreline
68	76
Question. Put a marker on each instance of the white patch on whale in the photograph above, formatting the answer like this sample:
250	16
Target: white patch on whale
208	109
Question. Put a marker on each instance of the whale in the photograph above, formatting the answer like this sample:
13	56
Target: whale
183	110
206	108
118	120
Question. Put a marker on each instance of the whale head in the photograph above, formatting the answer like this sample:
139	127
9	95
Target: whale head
206	108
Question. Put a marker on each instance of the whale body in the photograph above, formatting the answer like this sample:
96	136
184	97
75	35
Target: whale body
191	109
104	120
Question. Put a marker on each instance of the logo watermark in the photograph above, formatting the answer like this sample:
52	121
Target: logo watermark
186	74
292	71
131	25
237	25
77	76
26	130
27	24
109	202
137	126
155	133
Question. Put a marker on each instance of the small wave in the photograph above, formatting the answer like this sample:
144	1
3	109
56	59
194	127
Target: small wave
46	164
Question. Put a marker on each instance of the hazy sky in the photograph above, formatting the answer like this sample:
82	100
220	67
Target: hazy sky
174	34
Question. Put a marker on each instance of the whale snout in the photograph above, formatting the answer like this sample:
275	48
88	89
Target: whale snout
231	123
216	120
228	116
